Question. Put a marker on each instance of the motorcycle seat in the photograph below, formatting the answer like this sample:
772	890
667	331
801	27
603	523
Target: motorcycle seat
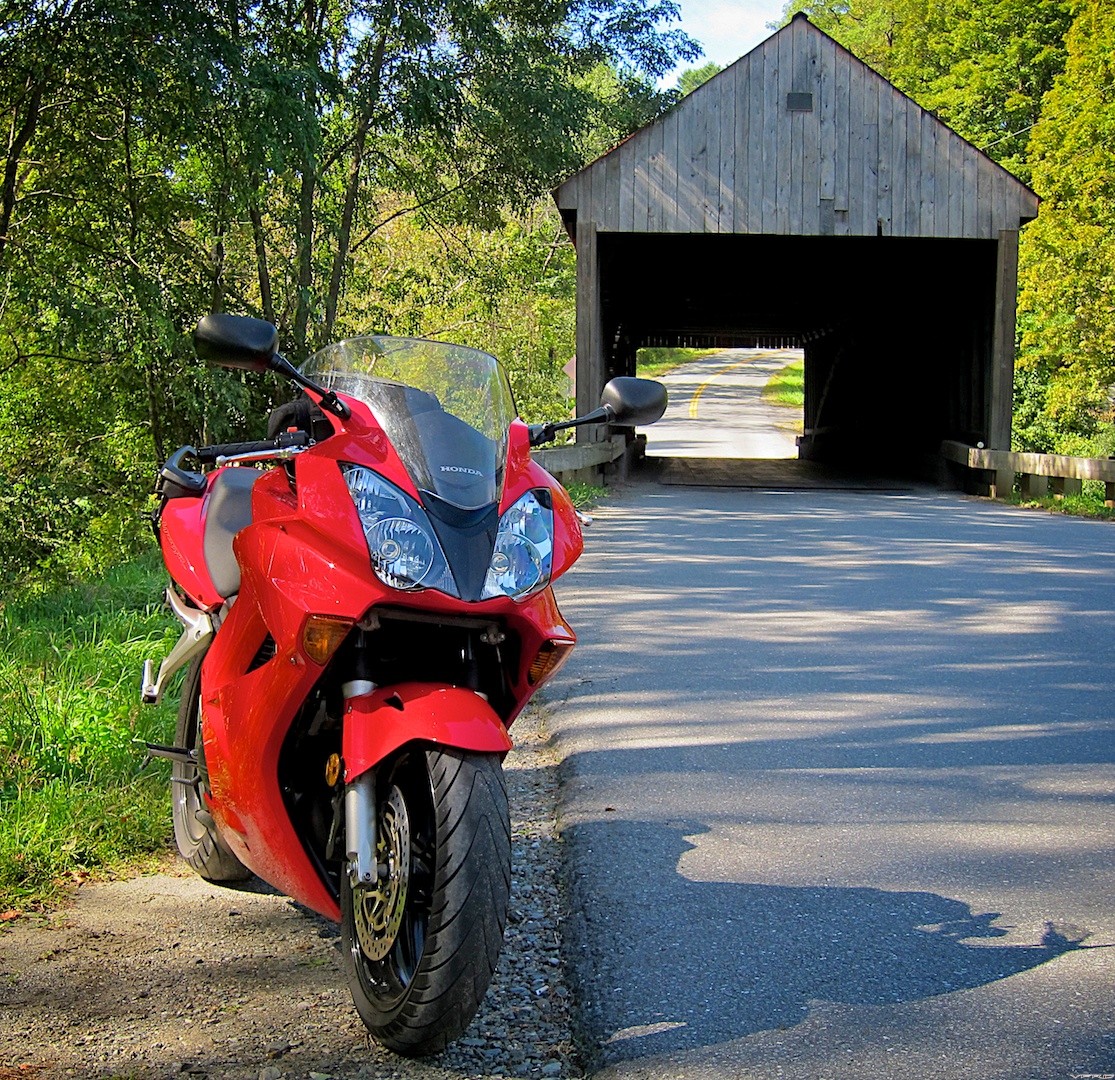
228	510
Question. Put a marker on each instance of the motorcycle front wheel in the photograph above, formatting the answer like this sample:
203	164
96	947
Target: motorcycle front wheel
421	945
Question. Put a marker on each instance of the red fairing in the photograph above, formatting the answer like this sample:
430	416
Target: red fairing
181	533
378	723
337	682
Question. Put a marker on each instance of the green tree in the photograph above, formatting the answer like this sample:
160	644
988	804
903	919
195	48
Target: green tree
165	160
691	78
1066	366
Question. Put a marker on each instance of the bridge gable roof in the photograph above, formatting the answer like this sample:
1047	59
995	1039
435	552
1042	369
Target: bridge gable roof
798	137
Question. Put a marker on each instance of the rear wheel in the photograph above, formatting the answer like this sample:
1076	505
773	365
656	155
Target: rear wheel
421	945
194	830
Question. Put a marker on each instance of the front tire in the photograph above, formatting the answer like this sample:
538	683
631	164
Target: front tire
421	946
195	834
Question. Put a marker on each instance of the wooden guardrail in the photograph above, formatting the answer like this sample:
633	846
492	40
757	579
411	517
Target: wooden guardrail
565	462
1042	474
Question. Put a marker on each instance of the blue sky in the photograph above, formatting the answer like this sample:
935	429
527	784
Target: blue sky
726	28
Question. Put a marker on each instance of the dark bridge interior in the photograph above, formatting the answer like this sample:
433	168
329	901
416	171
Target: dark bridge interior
896	331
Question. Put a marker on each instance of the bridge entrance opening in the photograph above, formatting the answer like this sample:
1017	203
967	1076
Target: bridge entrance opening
893	333
728	403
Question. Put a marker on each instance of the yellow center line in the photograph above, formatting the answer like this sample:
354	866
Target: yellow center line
724	371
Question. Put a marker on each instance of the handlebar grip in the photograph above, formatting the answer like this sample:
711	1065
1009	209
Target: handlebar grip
182	481
207	455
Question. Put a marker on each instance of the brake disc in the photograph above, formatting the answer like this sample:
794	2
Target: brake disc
379	908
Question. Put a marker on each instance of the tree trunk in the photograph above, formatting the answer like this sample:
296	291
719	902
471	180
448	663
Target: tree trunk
16	145
305	280
352	188
259	239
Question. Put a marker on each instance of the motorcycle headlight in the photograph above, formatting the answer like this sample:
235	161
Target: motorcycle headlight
523	557
404	550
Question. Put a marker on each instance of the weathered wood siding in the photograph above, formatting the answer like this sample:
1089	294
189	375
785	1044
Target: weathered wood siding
798	137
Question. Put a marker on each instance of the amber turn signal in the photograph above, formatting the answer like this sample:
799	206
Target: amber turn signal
322	635
550	657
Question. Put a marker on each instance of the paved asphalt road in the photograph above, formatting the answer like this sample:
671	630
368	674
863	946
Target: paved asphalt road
716	410
839	779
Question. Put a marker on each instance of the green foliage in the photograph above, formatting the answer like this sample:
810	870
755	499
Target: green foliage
1065	383
585	496
982	66
653	362
691	78
72	793
1089	503
509	291
787	386
163	161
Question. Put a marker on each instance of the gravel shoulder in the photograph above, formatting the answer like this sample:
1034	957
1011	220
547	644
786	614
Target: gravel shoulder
166	975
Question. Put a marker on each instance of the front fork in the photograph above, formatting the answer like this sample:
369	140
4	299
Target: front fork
360	795
360	830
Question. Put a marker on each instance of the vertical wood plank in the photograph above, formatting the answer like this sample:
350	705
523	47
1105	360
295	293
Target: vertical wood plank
857	134
1006	205
656	134
842	85
710	197
741	152
590	356
944	178
970	223
639	147
769	174
782	130
899	110
1002	348
610	219
956	185
726	174
801	82
869	220
756	118
666	214
887	156
689	217
826	108
626	190
985	199
928	175
697	122
915	165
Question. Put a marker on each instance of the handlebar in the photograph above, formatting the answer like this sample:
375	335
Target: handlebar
173	478
208	455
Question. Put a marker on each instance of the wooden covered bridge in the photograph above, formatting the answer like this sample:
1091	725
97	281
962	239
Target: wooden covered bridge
799	199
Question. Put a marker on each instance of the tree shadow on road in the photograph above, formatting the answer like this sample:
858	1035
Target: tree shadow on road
697	963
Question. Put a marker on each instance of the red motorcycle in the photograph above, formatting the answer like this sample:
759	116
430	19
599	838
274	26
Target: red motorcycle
367	606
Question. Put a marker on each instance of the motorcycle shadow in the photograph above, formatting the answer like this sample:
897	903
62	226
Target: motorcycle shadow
672	964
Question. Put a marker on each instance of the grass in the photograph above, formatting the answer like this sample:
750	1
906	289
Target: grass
75	799
652	363
1089	503
585	496
787	386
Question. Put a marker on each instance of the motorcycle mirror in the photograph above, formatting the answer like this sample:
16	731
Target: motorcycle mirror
236	341
634	402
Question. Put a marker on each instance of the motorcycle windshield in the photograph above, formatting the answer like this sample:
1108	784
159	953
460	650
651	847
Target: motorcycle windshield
446	409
